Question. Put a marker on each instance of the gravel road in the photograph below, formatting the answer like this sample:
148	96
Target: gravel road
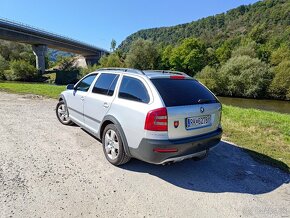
51	170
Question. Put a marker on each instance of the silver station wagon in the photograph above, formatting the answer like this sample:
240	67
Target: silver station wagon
156	116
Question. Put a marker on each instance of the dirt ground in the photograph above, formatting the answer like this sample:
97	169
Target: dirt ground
51	170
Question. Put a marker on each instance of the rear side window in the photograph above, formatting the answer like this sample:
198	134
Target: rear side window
176	92
106	84
133	89
85	84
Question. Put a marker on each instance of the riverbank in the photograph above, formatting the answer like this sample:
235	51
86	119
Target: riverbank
280	106
264	135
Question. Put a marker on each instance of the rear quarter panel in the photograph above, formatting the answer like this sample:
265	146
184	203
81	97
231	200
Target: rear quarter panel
132	114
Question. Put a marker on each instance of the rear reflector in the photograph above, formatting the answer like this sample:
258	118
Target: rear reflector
177	77
156	120
165	150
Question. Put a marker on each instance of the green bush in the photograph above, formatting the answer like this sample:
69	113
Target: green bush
50	78
89	69
112	60
208	76
244	76
248	50
280	86
281	54
3	66
21	70
65	63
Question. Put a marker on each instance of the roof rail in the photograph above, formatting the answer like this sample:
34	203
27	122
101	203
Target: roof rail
168	71
130	70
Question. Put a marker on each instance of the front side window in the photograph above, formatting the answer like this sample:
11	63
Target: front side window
85	84
106	84
133	89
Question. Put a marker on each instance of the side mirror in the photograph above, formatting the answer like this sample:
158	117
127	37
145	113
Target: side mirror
70	87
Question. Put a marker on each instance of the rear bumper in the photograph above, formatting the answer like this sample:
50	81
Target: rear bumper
185	147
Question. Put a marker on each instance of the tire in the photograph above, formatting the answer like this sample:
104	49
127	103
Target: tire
201	157
62	113
113	146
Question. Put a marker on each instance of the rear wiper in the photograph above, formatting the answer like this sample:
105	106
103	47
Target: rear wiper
204	101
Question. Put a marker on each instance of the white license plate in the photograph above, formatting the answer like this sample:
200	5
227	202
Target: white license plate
197	122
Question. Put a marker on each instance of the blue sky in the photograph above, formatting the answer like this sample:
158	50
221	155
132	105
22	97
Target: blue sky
97	22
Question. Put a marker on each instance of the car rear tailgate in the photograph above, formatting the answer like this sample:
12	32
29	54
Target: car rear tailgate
178	119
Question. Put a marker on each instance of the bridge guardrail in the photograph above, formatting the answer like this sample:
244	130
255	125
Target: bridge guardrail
29	27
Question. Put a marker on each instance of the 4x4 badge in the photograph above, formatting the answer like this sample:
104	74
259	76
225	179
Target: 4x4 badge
176	124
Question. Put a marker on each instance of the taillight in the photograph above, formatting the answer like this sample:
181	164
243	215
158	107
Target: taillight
156	120
177	77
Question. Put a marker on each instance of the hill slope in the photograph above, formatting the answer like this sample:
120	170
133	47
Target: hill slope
269	17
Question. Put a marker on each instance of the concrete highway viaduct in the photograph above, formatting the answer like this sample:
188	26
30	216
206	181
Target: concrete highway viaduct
41	40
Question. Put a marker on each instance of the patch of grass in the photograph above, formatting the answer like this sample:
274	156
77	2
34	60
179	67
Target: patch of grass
265	135
46	90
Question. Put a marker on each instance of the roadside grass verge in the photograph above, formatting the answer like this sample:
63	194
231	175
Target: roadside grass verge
264	135
46	90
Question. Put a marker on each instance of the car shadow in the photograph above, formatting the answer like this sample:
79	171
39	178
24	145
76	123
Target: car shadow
226	169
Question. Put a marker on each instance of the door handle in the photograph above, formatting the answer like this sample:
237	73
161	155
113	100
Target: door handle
106	105
82	98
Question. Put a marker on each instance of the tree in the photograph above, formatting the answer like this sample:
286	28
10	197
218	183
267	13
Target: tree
65	63
212	59
113	44
4	65
112	60
224	52
165	57
281	54
248	49
208	76
189	57
84	71
258	33
12	51
264	52
22	71
28	56
280	86
142	55
244	76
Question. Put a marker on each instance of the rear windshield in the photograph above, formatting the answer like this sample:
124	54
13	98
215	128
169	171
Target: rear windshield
176	92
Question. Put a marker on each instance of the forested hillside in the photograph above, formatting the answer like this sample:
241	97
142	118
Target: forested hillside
244	52
264	19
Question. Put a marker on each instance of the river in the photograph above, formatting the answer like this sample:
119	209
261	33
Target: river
268	105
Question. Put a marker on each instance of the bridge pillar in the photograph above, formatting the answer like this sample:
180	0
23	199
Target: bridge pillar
40	51
92	59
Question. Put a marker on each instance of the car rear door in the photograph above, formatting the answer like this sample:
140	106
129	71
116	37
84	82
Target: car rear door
98	101
191	108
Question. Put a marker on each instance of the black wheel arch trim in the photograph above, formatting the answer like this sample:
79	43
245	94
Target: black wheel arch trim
119	127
